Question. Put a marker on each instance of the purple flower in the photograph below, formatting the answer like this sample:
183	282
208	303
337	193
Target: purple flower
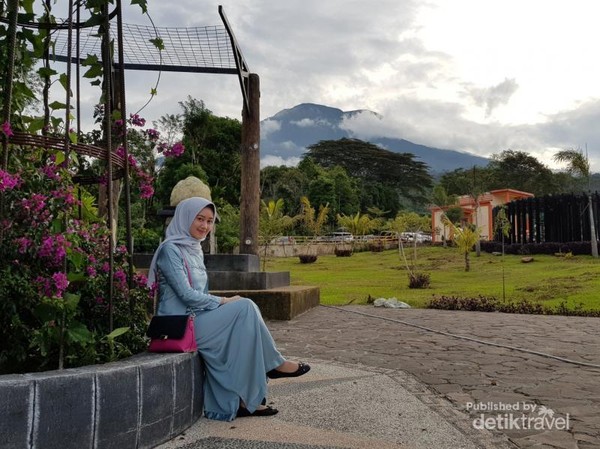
91	271
8	181
136	120
146	191
51	172
175	151
61	282
24	243
7	130
152	134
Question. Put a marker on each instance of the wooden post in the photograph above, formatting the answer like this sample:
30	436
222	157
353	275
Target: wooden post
250	185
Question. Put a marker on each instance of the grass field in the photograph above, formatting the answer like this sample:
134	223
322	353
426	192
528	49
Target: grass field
550	280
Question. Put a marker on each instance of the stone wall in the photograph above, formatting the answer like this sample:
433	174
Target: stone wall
138	402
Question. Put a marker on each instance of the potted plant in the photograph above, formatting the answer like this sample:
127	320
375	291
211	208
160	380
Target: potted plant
313	222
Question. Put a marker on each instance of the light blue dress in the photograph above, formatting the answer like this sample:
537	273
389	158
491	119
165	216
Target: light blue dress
234	341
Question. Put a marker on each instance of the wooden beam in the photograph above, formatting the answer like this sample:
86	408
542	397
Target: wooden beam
250	183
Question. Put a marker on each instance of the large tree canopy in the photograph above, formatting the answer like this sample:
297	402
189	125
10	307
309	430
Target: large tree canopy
373	164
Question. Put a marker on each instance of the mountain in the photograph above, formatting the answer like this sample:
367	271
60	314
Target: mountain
285	136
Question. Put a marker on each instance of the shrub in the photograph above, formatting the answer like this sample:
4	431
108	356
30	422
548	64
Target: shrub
307	258
492	304
418	280
54	277
342	252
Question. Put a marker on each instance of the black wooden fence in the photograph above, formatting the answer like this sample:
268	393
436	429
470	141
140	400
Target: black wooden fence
552	218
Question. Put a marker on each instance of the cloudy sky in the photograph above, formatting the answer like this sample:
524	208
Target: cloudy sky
479	76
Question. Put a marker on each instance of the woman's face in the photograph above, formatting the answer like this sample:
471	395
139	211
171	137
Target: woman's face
203	223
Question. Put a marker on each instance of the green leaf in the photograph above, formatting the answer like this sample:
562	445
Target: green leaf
116	115
59	157
57	105
45	312
95	83
158	43
117	332
63	81
35	125
90	60
73	137
143	4
71	301
75	276
22	89
79	333
56	121
27	5
57	225
46	71
153	91
94	71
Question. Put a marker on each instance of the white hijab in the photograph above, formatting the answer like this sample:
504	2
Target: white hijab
178	230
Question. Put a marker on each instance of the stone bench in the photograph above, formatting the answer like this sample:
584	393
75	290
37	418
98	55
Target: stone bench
283	303
138	402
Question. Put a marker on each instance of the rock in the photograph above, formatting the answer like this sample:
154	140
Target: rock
526	259
391	303
187	188
496	253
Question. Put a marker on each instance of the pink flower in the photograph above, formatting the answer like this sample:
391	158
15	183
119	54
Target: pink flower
152	134
175	151
8	181
61	282
51	172
91	271
136	120
120	276
146	191
24	243
7	130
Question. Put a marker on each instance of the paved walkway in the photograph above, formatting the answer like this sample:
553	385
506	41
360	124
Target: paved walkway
396	378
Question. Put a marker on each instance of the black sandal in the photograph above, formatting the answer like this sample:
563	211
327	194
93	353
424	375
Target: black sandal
268	411
303	368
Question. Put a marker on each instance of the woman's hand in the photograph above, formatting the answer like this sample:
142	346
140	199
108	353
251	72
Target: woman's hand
225	300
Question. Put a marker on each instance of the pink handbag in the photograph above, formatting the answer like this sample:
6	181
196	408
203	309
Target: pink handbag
172	333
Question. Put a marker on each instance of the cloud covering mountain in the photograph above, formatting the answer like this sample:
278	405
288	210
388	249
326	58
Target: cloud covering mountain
286	135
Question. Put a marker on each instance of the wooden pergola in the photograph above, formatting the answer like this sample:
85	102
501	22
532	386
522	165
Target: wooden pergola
208	49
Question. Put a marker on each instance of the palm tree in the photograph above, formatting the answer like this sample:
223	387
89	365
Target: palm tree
442	200
578	164
272	224
465	238
313	221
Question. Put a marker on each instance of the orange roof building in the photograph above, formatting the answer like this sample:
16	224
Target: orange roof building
481	216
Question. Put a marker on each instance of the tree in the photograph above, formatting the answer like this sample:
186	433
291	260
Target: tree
373	164
521	171
442	200
357	224
287	183
579	165
312	220
465	238
502	226
272	224
211	143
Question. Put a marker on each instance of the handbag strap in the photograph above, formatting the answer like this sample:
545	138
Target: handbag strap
187	268
190	311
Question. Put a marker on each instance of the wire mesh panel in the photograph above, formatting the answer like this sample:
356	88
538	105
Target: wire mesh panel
200	49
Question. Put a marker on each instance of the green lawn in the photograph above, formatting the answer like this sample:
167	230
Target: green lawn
552	280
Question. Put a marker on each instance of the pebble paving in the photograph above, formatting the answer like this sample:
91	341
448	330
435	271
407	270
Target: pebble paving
535	365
